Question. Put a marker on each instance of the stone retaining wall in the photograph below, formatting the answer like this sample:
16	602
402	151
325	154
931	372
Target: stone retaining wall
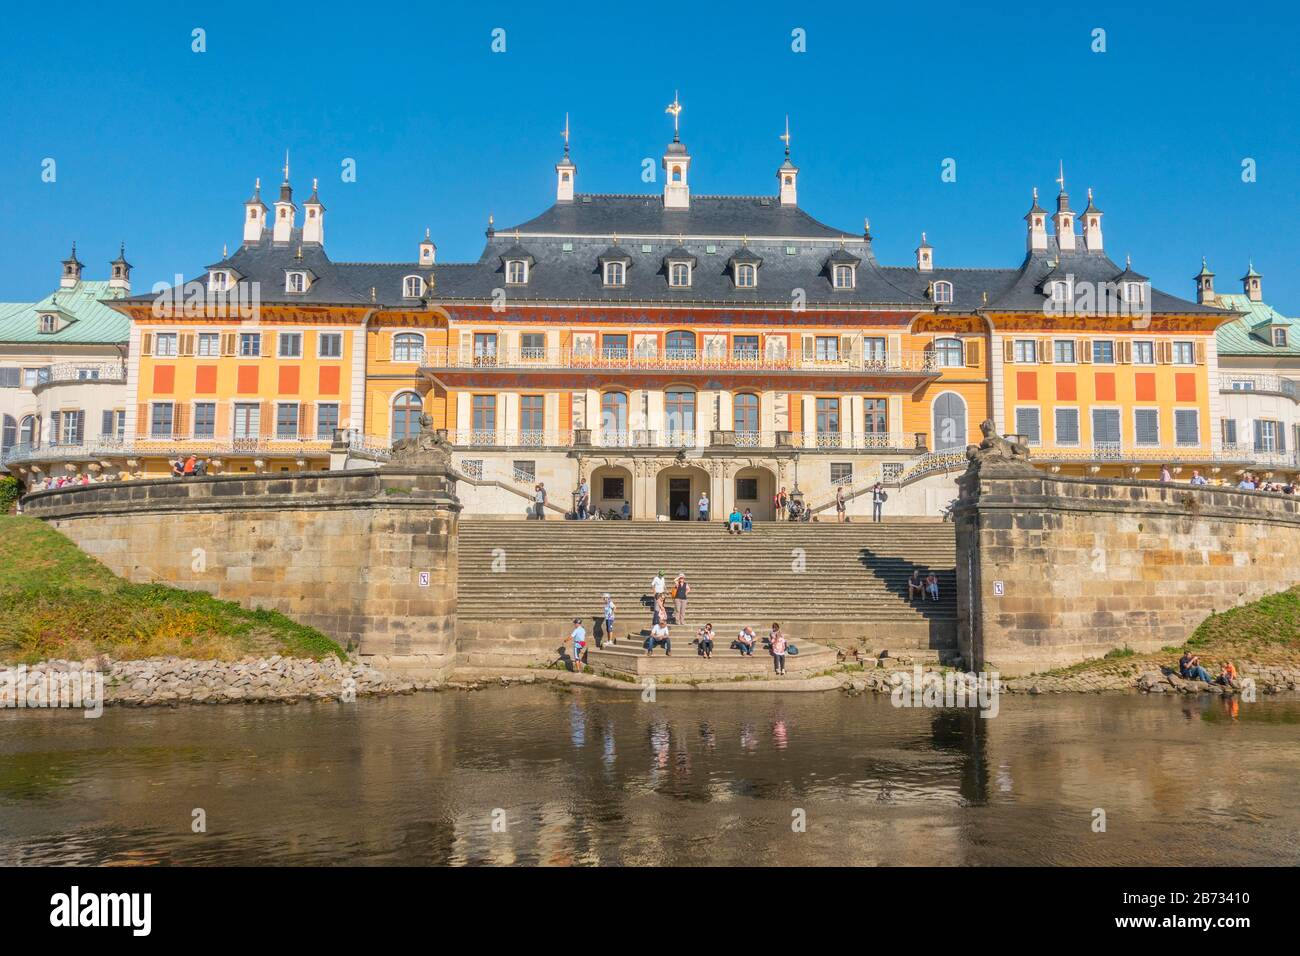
1052	570
341	551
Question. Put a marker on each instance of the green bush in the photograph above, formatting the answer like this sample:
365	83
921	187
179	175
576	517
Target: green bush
8	493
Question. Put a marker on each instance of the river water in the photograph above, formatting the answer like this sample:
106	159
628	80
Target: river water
561	776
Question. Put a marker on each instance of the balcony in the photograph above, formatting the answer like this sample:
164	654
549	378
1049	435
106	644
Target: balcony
1264	384
66	373
461	366
206	447
1125	453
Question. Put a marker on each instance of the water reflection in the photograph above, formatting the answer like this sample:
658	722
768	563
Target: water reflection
546	776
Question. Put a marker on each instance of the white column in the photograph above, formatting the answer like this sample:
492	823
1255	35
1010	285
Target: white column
810	421
894	409
357	399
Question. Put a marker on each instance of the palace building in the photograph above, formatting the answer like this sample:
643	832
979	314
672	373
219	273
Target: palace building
667	345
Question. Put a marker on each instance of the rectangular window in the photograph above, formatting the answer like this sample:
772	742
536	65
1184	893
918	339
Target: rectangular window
209	345
744	348
1026	351
614	347
1144	353
531	414
205	419
532	345
1067	426
525	470
11	377
165	345
1267	435
746	489
1230	433
611	489
828	420
1184	353
485	348
250	344
1146	426
330	345
290	344
107	424
1028	425
1105	428
1063	351
327	420
1103	352
286	420
875	423
1187	426
873	349
827	348
160	420
248	420
484	420
72	425
841	473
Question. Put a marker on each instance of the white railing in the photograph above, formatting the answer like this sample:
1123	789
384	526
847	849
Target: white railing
510	438
1275	384
1126	452
168	447
850	440
442	357
86	372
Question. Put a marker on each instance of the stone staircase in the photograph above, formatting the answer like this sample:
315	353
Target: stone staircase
522	582
627	655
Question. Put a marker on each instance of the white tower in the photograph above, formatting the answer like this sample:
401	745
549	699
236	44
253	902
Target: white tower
1204	284
428	251
285	210
1092	226
313	224
1063	218
565	171
1037	219
1250	284
119	271
677	164
924	256
255	214
788	174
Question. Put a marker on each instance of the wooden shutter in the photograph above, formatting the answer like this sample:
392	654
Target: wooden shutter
81	428
142	420
1200	353
1083	351
54	427
180	419
1124	351
972	353
1045	351
345	409
304	421
222	427
1164	352
229	341
186	345
266	426
1009	351
146	343
809	348
846	348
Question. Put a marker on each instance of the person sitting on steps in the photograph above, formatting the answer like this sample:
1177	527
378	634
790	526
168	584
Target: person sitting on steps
932	586
658	636
745	641
705	639
915	585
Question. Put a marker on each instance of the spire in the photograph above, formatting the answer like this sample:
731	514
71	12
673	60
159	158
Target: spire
1250	283
285	211
924	256
788	174
71	269
1092	226
119	271
313	225
676	163
428	251
254	214
566	171
1063	218
1205	284
786	136
675	108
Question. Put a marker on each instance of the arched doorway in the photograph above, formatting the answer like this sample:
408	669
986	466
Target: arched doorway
949	422
680	485
611	485
754	488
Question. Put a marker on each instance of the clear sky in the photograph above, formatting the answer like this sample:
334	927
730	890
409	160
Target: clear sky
158	145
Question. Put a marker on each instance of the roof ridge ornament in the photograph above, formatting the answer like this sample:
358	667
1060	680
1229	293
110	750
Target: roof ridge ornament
566	135
286	165
1060	179
675	108
786	136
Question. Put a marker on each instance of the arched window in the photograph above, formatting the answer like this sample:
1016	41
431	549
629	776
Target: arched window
613	418
516	272
615	273
746	275
407	409
679	416
9	433
412	287
844	277
680	345
29	432
745	406
408	347
679	275
943	292
949	422
1060	291
677	174
948	353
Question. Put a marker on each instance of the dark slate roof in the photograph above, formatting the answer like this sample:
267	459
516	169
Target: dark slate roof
714	216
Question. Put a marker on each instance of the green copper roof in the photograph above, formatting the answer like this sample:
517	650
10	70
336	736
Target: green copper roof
1249	334
89	320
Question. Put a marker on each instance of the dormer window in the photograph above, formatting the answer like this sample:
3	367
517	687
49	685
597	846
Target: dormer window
1134	294
1279	338
412	287
746	275
943	292
845	277
516	272
679	275
295	282
218	281
615	273
1060	291
48	323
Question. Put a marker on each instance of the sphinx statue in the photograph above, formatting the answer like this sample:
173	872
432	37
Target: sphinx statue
995	448
427	448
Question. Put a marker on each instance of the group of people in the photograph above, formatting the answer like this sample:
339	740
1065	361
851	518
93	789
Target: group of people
189	467
1190	668
1249	481
65	481
582	509
775	644
926	587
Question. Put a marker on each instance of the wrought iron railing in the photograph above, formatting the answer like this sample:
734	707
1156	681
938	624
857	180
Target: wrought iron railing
679	360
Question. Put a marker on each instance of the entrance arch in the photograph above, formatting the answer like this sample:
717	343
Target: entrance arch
949	418
683	483
611	485
754	487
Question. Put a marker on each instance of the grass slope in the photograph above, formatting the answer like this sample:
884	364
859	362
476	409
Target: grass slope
57	602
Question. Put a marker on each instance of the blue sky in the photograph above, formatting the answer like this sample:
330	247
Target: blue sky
158	145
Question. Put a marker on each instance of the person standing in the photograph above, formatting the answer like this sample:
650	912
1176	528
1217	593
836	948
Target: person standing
704	506
584	499
782	501
778	650
539	501
680	591
609	619
839	503
579	636
878	499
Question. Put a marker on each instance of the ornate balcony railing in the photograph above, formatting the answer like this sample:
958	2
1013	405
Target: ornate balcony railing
1268	384
64	372
671	360
166	447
